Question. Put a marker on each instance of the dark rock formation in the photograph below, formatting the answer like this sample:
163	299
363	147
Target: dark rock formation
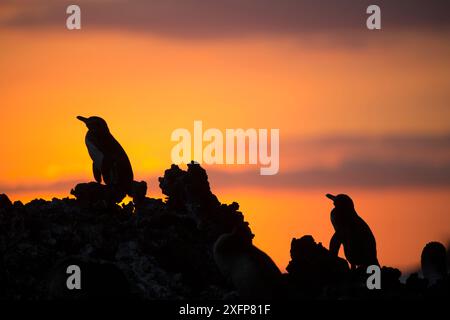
313	268
161	249
98	280
252	271
189	192
93	193
5	203
314	272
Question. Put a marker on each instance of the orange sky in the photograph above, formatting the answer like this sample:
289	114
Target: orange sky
146	85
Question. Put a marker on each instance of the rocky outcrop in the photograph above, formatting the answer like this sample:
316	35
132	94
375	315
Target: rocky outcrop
163	249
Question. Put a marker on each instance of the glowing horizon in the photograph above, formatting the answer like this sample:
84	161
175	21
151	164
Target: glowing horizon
360	113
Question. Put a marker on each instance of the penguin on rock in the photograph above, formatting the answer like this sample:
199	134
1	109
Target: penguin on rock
352	232
110	162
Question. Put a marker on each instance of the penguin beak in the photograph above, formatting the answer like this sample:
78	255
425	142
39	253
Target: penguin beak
330	196
82	119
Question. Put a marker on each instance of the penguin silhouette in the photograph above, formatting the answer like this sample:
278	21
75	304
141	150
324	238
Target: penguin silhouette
252	272
434	262
352	232
109	158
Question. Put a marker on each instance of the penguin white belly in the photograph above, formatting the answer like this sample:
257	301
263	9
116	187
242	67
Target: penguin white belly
95	154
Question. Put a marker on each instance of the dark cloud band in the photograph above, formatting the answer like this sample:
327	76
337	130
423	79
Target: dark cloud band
358	169
230	18
352	174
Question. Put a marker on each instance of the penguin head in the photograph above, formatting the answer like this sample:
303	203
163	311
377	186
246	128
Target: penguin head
342	201
95	124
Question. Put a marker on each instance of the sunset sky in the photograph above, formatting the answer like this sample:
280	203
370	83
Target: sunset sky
360	112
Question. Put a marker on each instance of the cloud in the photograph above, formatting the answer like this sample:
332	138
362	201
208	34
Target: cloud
359	173
230	18
56	186
333	151
359	162
354	161
402	141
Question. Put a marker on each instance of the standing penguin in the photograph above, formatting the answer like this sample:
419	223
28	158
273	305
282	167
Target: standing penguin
352	232
434	262
251	271
109	159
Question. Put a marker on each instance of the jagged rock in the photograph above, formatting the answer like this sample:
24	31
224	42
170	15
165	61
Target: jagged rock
139	190
172	185
415	284
313	267
189	192
390	278
158	249
5	203
189	187
93	192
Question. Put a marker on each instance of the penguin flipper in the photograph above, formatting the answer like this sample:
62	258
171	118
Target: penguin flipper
97	173
106	170
335	244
